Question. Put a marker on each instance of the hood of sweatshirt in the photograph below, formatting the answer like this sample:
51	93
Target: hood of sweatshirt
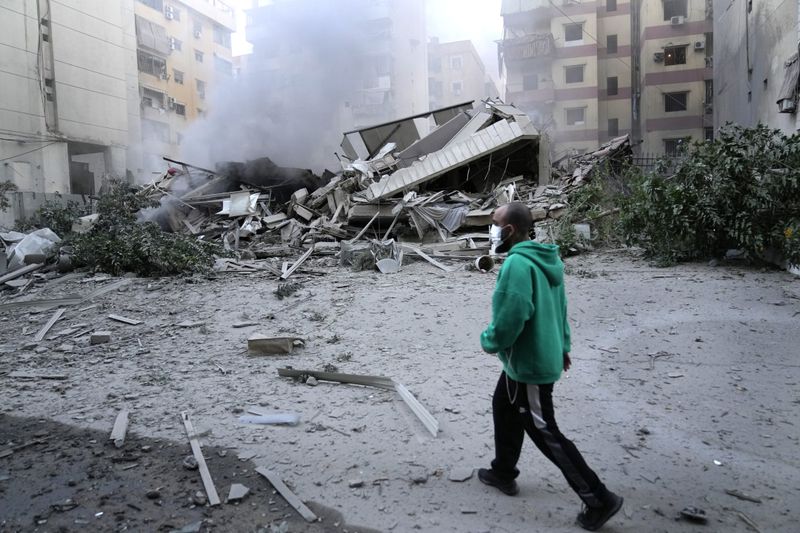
545	256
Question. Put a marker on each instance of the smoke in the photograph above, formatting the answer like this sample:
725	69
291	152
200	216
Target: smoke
292	99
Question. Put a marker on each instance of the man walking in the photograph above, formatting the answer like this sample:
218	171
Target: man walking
531	337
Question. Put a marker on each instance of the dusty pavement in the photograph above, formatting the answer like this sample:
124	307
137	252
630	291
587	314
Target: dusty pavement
685	385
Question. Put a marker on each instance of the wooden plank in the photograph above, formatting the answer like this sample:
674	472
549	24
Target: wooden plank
120	429
124	320
53	319
353	379
20	272
391	226
427	258
205	475
417	408
290	497
297	263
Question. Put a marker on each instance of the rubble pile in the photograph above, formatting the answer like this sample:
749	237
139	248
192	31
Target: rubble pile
399	190
424	186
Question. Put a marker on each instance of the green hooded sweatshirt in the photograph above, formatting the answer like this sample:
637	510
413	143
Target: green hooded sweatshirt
529	330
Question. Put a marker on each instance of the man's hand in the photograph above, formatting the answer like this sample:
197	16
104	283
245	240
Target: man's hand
567	362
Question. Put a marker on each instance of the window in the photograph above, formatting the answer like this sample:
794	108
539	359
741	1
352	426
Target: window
456	62
675	55
178	139
151	98
576	116
435	87
152	129
612	86
573	74
457	88
180	109
611	44
155	4
573	32
198	56
223	66
611	5
177	75
675	147
530	82
201	88
435	65
613	127
175	44
201	113
222	36
675	102
150	64
674	8
197	28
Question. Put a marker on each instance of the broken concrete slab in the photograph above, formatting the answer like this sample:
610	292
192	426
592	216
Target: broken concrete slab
237	493
100	337
259	344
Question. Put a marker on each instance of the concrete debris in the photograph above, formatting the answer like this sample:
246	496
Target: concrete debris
237	492
261	344
397	185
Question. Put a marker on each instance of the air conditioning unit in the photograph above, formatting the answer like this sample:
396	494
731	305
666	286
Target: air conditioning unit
699	45
197	34
678	20
658	57
169	12
172	43
170	102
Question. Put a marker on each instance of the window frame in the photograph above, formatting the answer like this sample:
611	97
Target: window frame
615	132
456	59
673	97
178	76
198	55
572	68
680	51
609	85
608	44
611	5
460	90
572	25
581	122
679	8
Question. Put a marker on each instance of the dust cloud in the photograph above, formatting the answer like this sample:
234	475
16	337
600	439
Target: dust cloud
290	110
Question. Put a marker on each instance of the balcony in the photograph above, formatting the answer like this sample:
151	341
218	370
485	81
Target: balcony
533	46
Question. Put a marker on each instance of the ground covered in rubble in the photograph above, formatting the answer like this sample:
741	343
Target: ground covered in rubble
683	392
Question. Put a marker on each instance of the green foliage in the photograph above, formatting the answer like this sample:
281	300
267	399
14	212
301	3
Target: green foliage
740	191
6	187
54	214
118	243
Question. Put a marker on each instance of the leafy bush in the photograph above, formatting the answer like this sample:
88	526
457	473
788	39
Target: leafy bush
54	214
118	243
6	187
740	191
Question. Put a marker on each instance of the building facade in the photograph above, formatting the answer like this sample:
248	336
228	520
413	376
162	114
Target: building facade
66	92
755	53
676	87
366	60
456	74
588	71
183	48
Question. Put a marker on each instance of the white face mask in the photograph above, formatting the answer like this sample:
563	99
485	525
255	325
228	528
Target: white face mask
495	237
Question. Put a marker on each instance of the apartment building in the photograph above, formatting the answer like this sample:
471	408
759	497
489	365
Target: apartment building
456	74
368	61
65	87
675	85
591	70
756	64
183	49
568	65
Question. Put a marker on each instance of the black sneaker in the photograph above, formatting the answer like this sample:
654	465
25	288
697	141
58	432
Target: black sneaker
593	518
488	477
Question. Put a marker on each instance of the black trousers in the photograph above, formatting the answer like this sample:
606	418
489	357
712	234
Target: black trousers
520	408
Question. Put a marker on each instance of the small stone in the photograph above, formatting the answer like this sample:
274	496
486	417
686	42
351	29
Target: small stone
420	479
153	495
65	348
356	483
199	498
100	337
237	410
146	448
190	463
312	381
237	492
460	474
222	453
40	349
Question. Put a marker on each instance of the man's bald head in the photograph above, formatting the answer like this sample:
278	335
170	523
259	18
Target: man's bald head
514	214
